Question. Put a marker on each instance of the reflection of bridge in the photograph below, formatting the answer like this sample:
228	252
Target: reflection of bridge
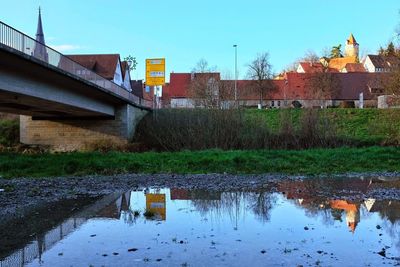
110	206
64	102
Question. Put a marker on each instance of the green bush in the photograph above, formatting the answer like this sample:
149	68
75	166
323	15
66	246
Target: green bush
9	132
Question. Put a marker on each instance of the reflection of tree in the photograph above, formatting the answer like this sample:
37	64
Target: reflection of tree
337	214
129	217
389	211
261	203
320	208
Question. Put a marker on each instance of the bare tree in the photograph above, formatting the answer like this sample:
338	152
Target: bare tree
260	71
204	90
324	86
309	56
202	66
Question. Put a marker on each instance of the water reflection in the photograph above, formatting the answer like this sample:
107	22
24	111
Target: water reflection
301	219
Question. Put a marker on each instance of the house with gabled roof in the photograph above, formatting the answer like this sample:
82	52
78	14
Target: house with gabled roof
353	67
310	67
381	63
108	66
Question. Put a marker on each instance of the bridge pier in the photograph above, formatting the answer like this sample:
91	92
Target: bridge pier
78	134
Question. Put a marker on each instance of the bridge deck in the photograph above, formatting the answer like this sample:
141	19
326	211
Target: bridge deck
14	42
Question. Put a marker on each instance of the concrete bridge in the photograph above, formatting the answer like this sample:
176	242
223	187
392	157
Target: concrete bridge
61	103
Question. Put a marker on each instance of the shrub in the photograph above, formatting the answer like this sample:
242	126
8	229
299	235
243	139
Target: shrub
9	132
347	104
199	129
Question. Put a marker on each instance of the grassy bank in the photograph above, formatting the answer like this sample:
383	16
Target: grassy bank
176	130
311	162
367	126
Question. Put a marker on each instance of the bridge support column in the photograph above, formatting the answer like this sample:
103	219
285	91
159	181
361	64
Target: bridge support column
77	134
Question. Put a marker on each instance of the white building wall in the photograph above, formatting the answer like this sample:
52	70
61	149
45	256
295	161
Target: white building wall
127	80
118	74
369	66
300	69
182	103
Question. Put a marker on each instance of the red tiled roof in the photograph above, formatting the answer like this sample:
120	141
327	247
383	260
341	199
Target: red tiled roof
104	65
384	62
179	84
309	67
137	88
355	67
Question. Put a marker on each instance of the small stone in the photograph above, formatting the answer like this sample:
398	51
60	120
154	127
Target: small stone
104	255
132	249
382	252
263	251
115	253
306	228
158	259
92	235
319	251
378	227
60	254
181	242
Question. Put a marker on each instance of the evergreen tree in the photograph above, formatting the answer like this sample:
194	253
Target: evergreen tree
336	51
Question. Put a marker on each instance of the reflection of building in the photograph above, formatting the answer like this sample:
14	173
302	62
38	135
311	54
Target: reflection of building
114	209
352	212
157	203
184	194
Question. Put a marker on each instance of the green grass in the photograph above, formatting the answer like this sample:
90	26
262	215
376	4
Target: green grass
367	126
309	162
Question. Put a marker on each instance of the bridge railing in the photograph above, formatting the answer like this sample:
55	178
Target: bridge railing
29	46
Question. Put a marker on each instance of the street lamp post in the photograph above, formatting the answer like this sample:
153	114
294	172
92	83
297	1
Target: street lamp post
236	100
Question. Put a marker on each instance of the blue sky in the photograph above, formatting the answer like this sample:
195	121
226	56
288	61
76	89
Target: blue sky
185	31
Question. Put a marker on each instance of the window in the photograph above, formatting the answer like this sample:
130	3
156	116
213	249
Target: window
279	103
272	103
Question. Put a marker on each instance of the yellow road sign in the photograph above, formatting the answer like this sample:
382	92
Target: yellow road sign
155	72
157	204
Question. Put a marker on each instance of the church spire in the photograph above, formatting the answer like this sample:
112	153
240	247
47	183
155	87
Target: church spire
40	50
39	31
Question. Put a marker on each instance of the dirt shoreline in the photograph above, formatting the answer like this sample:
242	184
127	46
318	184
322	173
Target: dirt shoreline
21	195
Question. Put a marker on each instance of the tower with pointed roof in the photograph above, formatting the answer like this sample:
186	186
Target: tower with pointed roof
40	50
352	47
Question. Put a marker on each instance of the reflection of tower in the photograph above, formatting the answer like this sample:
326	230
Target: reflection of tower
352	219
352	212
40	51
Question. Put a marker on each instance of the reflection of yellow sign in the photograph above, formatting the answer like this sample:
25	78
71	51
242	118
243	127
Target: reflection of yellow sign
156	203
155	72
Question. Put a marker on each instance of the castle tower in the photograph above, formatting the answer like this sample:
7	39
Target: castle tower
352	47
40	50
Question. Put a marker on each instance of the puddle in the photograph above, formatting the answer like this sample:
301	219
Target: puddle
299	224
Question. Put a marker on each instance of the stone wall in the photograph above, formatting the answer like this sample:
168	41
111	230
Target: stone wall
69	135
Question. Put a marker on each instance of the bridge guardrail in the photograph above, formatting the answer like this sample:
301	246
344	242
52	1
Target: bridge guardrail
29	46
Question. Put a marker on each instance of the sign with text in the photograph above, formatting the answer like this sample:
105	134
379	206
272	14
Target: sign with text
157	204
155	72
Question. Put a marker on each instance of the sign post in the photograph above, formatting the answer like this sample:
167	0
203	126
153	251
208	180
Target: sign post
155	76
361	101
155	72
